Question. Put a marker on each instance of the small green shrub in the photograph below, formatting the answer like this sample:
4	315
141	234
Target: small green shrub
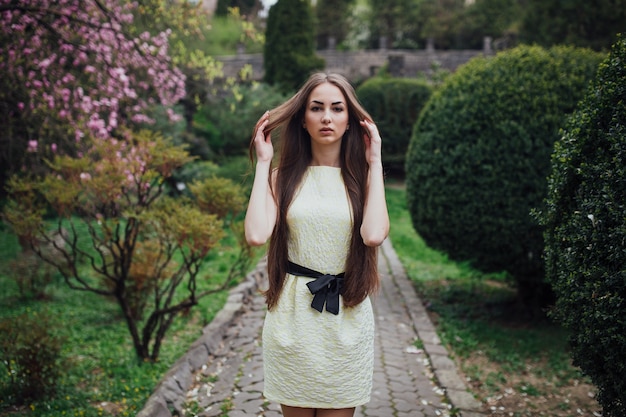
586	232
395	104
31	355
480	154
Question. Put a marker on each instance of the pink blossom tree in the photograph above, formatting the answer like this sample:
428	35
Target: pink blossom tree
74	86
70	69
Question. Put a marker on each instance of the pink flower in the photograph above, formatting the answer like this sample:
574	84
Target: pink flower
32	146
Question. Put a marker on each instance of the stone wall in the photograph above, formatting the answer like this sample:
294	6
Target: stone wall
359	65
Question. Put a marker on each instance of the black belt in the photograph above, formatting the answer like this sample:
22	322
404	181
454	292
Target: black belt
325	289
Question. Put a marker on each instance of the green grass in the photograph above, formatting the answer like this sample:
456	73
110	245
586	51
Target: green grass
102	375
476	313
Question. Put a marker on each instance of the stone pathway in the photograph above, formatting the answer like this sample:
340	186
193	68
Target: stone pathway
413	375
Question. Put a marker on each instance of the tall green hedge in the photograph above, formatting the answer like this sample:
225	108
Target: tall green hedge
480	154
395	104
585	235
289	51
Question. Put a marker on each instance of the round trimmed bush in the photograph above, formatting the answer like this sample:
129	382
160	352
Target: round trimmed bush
395	104
585	236
480	154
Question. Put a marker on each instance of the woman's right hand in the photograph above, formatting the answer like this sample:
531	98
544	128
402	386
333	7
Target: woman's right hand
263	141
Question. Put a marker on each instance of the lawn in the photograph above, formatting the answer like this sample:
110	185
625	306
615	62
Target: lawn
514	366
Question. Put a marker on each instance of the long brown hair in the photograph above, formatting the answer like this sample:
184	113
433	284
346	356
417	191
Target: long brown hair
294	157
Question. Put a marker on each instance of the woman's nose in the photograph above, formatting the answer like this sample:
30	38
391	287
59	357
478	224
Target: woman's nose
326	116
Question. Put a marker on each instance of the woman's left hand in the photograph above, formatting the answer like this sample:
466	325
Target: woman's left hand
373	142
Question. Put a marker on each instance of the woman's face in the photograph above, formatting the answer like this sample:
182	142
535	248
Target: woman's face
326	115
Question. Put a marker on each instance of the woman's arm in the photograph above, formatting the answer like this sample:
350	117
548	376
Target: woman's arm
375	226
262	210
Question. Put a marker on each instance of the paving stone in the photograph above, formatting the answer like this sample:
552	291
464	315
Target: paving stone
471	414
252	407
464	400
404	406
213	411
442	362
239	413
242	397
410	413
386	411
435	349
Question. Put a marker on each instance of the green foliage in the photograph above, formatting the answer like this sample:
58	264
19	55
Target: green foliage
472	312
31	355
586	232
219	196
31	274
228	33
395	104
332	16
443	21
578	22
399	21
140	245
289	51
195	40
246	7
226	121
451	24
497	19
480	154
104	376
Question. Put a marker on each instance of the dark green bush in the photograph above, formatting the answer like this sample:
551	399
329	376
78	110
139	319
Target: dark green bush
585	236
395	104
31	356
226	122
480	154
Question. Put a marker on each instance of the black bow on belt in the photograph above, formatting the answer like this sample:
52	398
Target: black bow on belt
325	289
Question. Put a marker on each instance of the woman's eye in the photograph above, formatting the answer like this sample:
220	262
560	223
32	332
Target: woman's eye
338	109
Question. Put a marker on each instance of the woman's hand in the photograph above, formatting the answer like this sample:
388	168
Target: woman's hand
373	142
262	141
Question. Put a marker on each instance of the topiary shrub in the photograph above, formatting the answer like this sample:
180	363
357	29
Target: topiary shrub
395	104
480	154
586	232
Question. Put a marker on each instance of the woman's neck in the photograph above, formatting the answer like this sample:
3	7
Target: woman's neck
326	157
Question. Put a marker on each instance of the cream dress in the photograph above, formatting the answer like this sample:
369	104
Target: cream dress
312	359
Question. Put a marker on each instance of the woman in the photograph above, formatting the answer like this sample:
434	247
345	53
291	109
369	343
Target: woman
323	208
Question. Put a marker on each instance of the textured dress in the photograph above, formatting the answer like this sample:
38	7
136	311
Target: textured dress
313	359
